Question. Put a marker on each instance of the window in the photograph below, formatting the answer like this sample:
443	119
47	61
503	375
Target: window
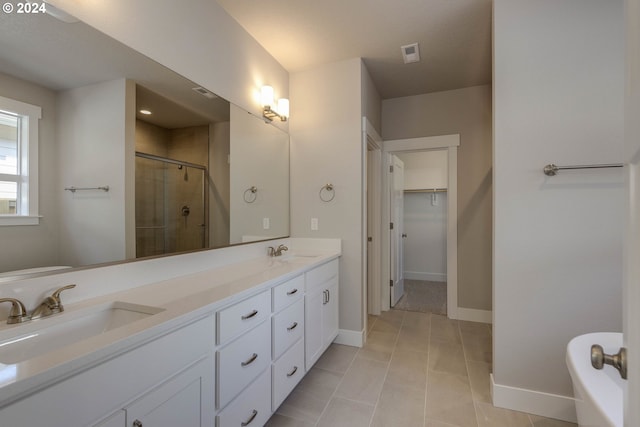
18	162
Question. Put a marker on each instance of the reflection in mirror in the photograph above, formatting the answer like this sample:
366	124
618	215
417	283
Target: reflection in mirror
177	177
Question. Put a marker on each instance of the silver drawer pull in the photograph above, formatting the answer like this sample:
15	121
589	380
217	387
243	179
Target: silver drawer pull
292	327
254	413
293	372
292	292
250	315
249	361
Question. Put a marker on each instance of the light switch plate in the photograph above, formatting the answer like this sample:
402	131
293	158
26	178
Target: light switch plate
314	224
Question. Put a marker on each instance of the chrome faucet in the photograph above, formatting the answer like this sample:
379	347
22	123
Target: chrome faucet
18	313
277	251
51	304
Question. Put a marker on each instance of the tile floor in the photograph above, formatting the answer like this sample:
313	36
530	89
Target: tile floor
417	369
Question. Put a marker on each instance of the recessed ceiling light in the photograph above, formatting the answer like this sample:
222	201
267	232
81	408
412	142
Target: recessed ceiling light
145	112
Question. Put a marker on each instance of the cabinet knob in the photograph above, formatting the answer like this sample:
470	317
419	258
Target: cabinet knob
137	423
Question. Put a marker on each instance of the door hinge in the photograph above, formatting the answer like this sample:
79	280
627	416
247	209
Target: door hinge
390	226
391	168
391	282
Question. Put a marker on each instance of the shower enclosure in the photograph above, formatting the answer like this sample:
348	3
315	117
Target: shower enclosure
170	205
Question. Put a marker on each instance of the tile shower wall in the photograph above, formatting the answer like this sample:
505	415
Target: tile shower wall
187	144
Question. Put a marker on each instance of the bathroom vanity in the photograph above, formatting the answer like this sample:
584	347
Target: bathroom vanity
223	346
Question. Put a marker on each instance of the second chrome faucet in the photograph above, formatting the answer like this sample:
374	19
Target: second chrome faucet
277	251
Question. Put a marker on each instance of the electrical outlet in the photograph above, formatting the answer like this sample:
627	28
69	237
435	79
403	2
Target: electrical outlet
314	224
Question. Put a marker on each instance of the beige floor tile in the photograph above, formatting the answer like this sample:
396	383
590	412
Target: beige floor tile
389	321
408	369
399	406
480	381
371	319
278	420
379	346
475	328
363	381
447	358
449	400
490	416
413	340
416	321
346	413
337	358
320	383
434	423
302	407
477	347
444	329
537	421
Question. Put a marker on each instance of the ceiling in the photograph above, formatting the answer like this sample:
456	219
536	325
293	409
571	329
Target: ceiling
454	38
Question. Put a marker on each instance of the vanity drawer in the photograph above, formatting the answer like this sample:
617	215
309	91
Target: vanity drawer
320	275
251	408
287	373
288	327
242	361
287	292
240	317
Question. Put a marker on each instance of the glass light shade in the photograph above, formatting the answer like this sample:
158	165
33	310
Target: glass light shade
266	96
283	107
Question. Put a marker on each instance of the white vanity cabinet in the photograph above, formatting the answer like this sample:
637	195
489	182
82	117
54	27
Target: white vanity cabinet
174	372
321	310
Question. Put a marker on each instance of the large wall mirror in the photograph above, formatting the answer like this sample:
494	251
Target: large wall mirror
184	168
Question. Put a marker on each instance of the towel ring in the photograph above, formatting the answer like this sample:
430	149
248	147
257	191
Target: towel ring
327	188
253	190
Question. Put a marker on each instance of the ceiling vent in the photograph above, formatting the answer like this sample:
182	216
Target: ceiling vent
410	53
202	91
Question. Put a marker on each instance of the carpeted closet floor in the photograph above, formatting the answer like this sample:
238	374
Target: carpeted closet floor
424	296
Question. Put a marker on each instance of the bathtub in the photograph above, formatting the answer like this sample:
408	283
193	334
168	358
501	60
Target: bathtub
598	393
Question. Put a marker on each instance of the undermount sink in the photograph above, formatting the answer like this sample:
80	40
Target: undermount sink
298	257
44	335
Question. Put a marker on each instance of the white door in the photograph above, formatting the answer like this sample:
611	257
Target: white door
397	213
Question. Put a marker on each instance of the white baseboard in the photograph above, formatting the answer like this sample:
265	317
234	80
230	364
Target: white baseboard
474	315
348	337
431	277
533	402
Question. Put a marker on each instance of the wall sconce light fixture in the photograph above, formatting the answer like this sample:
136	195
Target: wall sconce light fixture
269	109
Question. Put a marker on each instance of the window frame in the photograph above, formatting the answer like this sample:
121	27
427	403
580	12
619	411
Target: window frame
28	213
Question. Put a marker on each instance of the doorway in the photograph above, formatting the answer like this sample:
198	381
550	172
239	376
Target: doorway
423	232
448	144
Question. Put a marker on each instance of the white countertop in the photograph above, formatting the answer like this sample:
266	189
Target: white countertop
183	300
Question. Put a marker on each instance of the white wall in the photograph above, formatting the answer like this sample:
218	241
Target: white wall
198	40
558	97
424	170
326	146
35	245
466	112
94	143
425	247
632	155
260	158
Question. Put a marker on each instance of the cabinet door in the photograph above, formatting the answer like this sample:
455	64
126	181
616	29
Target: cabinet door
177	402
330	313
118	419
313	326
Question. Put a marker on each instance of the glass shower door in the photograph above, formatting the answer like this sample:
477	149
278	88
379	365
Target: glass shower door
170	206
